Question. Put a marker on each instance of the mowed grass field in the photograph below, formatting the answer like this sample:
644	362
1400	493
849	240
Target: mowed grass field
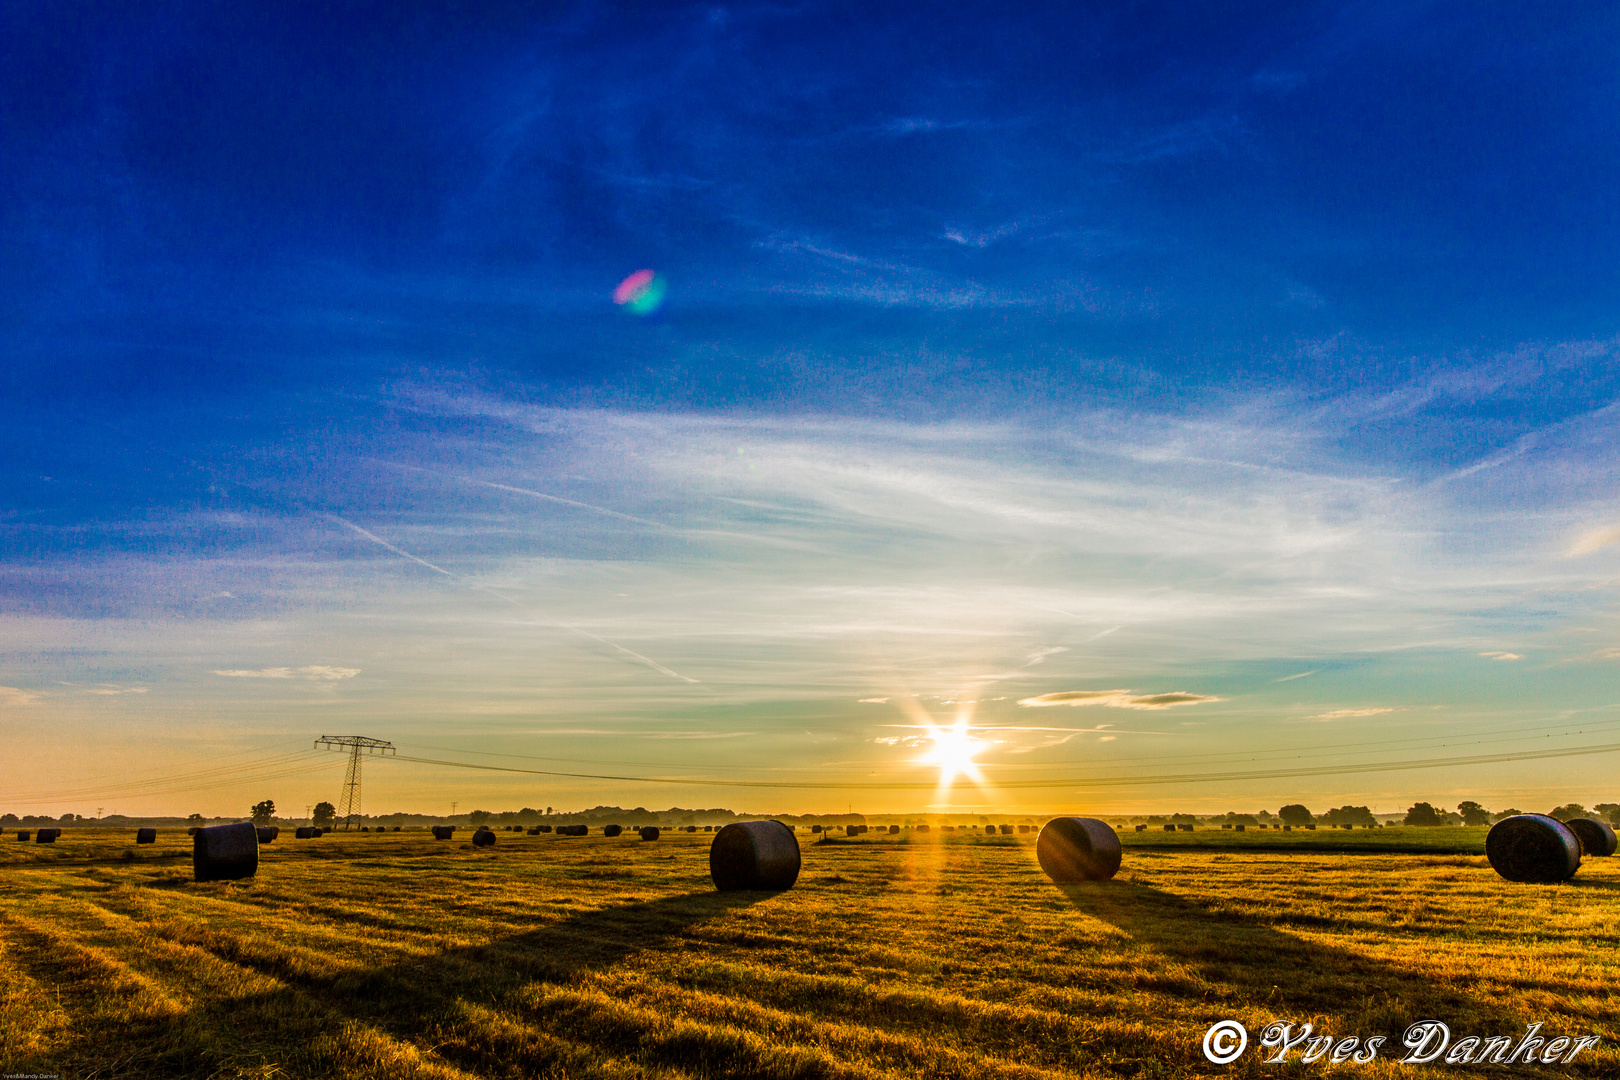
393	955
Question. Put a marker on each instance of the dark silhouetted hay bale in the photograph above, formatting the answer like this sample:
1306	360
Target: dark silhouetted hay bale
1141	828
1533	848
1310	828
1597	837
573	830
396	828
146	836
268	834
922	828
852	830
612	830
1169	828
444	832
1240	828
483	838
1287	828
1007	830
192	831
815	828
754	855
225	852
47	836
1072	849
365	828
894	830
1023	830
648	832
303	832
533	832
1185	828
545	828
322	832
1226	826
24	835
708	828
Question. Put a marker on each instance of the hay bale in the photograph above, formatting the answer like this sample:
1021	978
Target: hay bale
1169	828
365	828
648	832
303	832
1240	828
1533	848
47	836
815	828
1072	849
1185	828
396	828
1287	828
24	835
573	830
922	828
192	831
444	832
1597	837
483	838
1228	826
146	836
894	830
225	852
612	830
754	855
1006	830
1141	828
545	828
322	832
268	834
1310	828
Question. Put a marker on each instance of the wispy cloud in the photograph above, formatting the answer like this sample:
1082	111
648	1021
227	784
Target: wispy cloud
1346	714
312	673
11	695
1503	655
108	691
1118	699
1291	678
1595	540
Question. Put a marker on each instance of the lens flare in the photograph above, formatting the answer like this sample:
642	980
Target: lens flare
953	752
642	293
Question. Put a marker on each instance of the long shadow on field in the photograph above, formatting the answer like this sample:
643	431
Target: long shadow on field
305	1025
1254	964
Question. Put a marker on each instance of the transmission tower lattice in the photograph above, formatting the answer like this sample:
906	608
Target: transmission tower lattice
349	809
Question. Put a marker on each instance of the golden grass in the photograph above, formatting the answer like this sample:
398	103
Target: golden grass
395	955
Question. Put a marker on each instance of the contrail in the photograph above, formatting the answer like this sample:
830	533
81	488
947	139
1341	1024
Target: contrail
375	539
572	502
655	665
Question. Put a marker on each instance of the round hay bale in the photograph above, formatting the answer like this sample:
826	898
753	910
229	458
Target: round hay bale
545	828
754	855
1597	837
894	830
990	830
1023	830
146	836
444	832
1186	828
47	836
24	835
922	828
192	831
1169	828
573	830
1006	830
612	830
1141	828
303	832
268	834
852	830
365	828
1240	828
648	832
396	828
322	832
1533	848
225	852
1072	849
485	838
815	828
1310	828
1287	828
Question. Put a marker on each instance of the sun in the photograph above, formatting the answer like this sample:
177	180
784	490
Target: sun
953	752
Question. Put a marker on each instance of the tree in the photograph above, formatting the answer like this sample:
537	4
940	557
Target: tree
1295	814
262	812
1473	813
324	814
195	819
1349	815
478	817
1568	812
1424	814
1608	811
1506	814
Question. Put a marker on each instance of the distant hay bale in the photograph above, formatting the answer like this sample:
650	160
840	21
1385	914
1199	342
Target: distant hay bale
894	830
1287	828
192	831
146	836
1310	828
24	835
573	830
268	834
303	832
396	828
1227	826
612	830
1597	837
1240	828
648	832
1348	828
483	838
533	832
365	828
1533	848
922	828
1023	830
544	828
1185	828
444	832
1073	849
852	830
708	828
1169	828
322	832
754	855
815	828
1007	830
225	852
1141	828
47	836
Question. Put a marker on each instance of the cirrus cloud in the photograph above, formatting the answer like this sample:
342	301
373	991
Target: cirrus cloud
312	672
1118	699
1345	714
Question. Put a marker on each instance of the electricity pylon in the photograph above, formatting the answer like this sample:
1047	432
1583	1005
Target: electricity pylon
355	745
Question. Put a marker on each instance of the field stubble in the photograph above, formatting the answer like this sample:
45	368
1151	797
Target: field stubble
392	955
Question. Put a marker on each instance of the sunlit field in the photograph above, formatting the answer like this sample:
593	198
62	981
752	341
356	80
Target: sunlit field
392	955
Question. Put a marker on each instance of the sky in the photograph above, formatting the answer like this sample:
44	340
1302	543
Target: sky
1194	407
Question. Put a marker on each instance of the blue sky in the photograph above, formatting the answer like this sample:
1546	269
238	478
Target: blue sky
1263	354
